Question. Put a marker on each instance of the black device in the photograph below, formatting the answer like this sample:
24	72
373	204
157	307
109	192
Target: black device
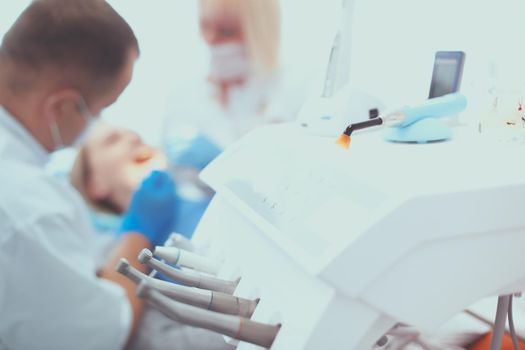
447	73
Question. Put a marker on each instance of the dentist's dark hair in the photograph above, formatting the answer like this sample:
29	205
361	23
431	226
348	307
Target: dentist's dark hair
86	42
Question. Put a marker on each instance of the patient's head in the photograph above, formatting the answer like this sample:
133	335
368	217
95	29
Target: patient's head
111	165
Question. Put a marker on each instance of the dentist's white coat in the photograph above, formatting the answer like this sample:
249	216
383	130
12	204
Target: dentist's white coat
50	296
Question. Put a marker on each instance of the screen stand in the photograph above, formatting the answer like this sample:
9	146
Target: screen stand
422	131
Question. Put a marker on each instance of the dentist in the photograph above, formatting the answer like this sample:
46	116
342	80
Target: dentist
61	64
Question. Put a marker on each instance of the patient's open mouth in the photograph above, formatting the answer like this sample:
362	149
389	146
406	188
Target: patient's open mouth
144	155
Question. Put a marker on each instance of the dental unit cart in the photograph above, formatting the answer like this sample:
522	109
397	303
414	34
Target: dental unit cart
339	246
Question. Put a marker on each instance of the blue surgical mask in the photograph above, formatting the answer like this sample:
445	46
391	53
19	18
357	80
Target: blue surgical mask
89	119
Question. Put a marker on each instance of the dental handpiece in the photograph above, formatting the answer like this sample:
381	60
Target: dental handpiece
170	242
177	256
215	301
175	240
443	106
436	107
233	326
188	278
433	108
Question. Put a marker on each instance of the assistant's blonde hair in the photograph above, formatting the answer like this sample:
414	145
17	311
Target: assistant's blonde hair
261	26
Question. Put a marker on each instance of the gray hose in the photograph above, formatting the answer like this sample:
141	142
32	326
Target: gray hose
499	323
511	326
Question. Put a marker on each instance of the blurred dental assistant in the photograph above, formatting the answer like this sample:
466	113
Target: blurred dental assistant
61	64
243	87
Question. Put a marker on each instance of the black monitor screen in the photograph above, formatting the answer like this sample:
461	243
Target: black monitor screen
446	76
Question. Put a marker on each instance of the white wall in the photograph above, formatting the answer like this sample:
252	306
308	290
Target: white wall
9	10
395	41
393	47
170	47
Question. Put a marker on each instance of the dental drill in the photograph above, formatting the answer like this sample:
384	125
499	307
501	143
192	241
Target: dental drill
184	258
408	116
232	326
214	301
188	278
175	240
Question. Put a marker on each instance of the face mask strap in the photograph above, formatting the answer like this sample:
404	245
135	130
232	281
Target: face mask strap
55	135
84	110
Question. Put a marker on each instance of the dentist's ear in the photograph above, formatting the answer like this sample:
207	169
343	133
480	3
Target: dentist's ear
60	104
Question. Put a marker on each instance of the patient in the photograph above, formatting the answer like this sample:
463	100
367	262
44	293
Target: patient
110	167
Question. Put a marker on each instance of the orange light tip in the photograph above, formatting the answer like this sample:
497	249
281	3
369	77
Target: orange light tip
344	141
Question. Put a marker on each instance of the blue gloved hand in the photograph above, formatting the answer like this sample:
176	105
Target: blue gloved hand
192	149
152	208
